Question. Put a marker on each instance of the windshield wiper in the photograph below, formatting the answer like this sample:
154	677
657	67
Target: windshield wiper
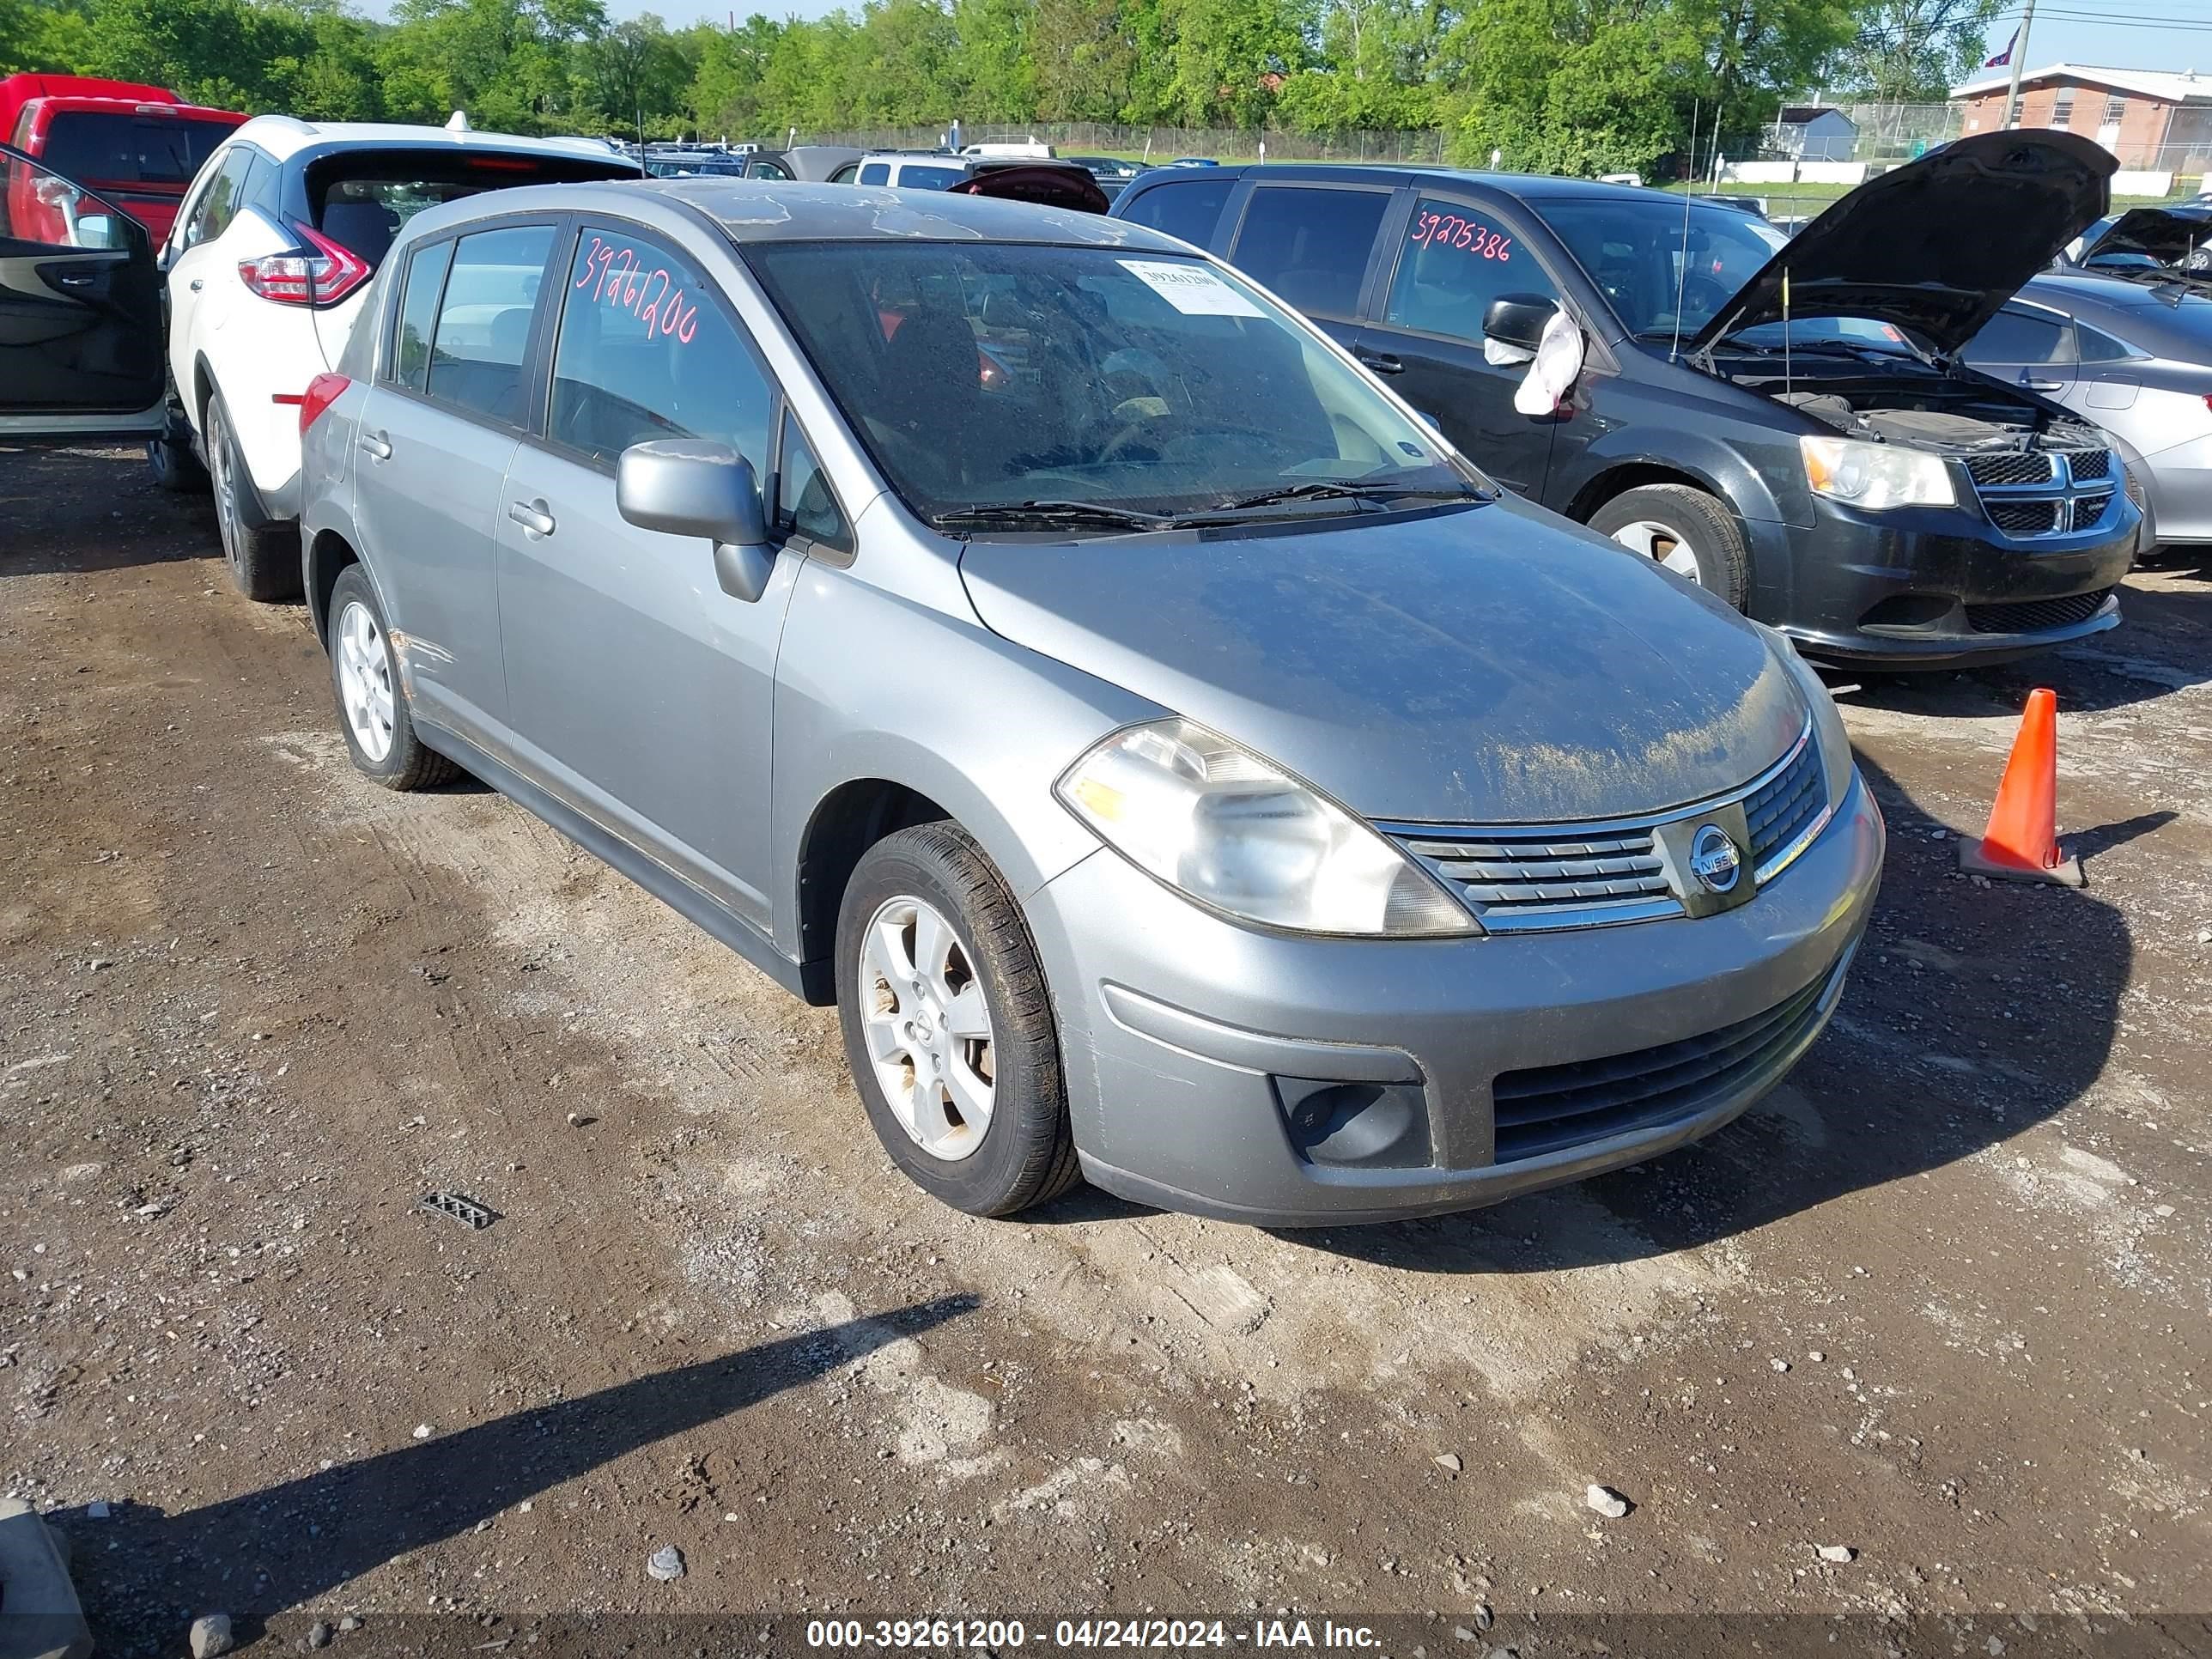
1325	489
1021	515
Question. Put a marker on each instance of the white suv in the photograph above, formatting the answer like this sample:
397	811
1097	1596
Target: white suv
276	239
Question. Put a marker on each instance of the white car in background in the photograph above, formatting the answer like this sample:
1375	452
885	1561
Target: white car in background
263	275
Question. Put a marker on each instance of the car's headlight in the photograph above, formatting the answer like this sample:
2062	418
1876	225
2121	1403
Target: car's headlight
1875	476
1222	826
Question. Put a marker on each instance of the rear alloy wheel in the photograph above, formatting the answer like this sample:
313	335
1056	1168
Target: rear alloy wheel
948	1025
264	558
1684	530
379	734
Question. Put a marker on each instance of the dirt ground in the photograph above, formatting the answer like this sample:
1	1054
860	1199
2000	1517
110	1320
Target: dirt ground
1941	1301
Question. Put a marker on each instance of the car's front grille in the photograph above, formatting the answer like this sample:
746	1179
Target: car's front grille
1541	877
1551	1108
2031	493
2036	615
1781	809
2013	467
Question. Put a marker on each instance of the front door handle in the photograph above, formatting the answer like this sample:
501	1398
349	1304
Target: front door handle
76	278
377	445
532	516
1381	362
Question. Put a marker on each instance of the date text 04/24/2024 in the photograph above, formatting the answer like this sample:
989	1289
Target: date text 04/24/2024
1168	1634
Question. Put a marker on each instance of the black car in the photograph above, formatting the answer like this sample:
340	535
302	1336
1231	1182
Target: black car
1783	421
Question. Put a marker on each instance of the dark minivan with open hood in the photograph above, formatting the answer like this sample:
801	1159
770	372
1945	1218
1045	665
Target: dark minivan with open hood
1784	422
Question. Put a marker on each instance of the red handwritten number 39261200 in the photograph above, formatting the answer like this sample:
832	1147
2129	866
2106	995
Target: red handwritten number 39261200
1449	230
617	277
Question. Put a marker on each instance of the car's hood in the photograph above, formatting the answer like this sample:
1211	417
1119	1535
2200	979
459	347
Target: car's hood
1488	666
2160	234
1938	245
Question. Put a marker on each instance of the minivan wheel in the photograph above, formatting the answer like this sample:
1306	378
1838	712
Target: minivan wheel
948	1025
372	713
264	559
1684	529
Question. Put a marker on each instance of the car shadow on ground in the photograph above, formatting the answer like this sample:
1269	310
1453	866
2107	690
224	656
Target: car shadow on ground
1972	1015
288	1546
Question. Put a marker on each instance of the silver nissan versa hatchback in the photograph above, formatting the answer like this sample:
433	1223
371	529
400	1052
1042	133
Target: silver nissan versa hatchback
1180	769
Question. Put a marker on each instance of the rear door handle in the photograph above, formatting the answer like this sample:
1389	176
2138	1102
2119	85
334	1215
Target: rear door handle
377	445
531	516
1381	362
2043	386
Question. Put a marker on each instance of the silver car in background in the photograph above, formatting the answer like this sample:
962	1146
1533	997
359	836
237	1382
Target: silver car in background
2134	355
1179	766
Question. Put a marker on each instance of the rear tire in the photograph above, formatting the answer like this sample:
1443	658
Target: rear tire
944	1004
380	733
264	558
1687	530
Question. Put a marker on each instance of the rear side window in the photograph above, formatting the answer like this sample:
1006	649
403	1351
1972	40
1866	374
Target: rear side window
219	203
875	173
1311	245
2097	347
914	177
2019	337
483	321
361	199
645	352
1187	208
418	315
130	149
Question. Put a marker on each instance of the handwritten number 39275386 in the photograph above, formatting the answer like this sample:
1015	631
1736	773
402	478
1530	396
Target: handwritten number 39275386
617	277
1449	230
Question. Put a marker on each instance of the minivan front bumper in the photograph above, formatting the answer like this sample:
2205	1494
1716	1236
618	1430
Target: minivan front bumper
1919	588
1298	1081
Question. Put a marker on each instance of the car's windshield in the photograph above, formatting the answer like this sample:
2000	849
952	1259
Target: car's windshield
1633	248
983	375
1821	333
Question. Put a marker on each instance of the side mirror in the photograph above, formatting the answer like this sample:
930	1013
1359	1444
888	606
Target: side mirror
1518	319
690	486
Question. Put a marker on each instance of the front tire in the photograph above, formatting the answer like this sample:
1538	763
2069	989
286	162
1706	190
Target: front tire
174	467
1687	530
948	1024
264	558
380	733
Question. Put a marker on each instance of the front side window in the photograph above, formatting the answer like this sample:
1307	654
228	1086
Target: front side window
1655	275
1455	261
1310	246
1188	208
645	351
39	208
995	376
482	330
418	315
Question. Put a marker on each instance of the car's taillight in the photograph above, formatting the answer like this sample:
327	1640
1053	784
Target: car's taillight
322	276
322	392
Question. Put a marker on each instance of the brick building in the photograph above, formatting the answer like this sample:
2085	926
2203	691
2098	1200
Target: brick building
2148	117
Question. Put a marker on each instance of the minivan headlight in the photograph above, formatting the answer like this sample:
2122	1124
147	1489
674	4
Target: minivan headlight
1875	476
1225	827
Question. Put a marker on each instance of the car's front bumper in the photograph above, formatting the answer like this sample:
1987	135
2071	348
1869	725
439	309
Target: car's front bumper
1193	1045
1920	588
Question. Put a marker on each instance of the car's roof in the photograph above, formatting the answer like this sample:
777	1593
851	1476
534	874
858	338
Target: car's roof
283	136
781	211
1530	186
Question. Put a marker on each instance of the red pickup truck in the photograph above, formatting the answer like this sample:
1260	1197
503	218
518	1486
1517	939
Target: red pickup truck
139	146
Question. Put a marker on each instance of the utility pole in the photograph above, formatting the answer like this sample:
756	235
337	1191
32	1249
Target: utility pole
2019	57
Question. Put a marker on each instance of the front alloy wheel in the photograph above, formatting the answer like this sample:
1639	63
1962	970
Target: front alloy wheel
928	1028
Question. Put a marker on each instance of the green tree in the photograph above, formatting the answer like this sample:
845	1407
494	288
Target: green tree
1084	57
1912	52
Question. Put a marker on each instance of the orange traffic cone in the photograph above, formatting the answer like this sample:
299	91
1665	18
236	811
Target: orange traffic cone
2022	843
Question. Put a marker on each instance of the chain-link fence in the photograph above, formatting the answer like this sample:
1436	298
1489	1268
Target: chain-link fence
1147	143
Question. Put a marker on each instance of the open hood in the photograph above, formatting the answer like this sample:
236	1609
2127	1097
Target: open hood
2166	236
1938	245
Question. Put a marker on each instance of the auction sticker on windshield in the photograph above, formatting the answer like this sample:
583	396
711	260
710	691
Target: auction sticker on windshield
1191	290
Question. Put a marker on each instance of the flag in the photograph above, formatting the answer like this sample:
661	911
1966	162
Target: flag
2005	56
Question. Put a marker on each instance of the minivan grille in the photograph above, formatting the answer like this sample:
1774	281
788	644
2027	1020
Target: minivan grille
1549	1109
2035	615
2031	493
